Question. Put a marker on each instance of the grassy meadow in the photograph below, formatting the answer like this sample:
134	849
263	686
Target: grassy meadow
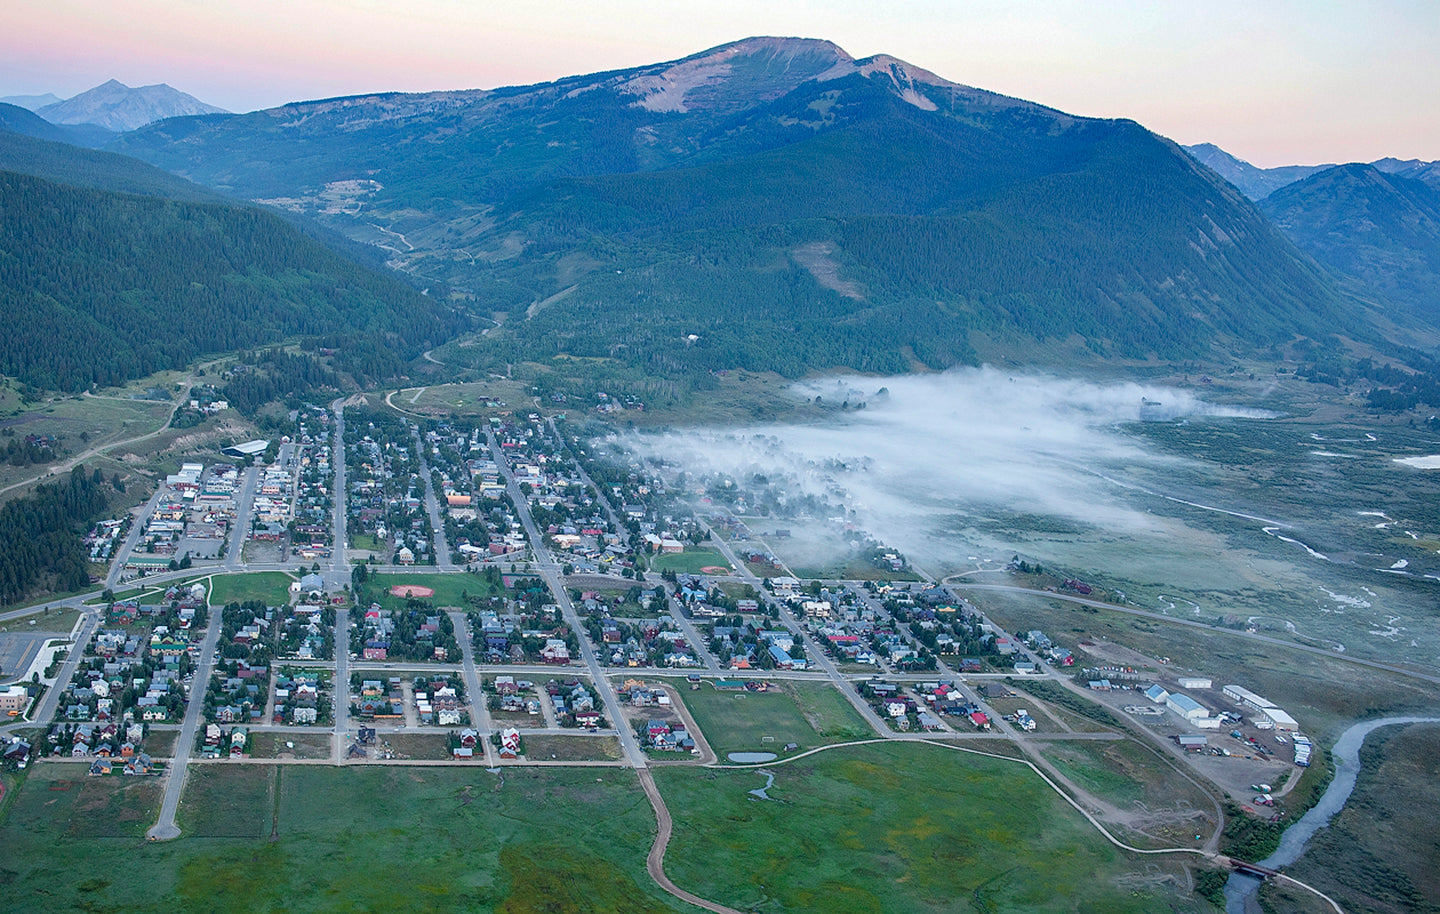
805	713
314	838
902	828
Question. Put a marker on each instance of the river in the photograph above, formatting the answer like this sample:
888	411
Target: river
1240	891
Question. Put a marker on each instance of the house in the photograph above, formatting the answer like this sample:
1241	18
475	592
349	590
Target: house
17	751
141	764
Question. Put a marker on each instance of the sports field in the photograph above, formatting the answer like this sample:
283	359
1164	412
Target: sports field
692	561
447	589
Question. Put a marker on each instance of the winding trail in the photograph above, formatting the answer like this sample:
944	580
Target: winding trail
655	862
69	464
1099	826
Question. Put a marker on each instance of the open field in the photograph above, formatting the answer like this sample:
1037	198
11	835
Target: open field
61	803
161	743
903	828
451	840
808	714
430	746
466	399
1160	807
692	561
269	587
290	745
100	421
543	747
228	800
56	621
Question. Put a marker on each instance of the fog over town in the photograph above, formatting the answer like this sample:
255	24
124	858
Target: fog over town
907	455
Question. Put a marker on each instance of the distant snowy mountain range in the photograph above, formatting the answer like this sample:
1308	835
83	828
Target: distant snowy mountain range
115	106
1258	183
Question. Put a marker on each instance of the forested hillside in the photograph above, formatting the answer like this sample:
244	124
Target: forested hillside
775	204
41	535
99	288
64	163
1380	232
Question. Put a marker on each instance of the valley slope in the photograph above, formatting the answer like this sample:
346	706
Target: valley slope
101	286
775	204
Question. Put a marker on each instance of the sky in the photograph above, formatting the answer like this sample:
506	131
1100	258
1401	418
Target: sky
1277	82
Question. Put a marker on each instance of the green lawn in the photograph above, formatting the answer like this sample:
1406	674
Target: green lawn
901	828
450	589
809	714
270	587
690	561
366	542
362	838
59	621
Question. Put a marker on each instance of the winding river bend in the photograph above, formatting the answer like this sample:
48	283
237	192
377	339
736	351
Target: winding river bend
1241	890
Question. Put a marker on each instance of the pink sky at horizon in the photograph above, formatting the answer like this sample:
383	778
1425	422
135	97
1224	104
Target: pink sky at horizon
1285	82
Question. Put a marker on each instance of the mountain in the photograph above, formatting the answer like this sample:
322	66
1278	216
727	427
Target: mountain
1255	183
100	287
30	102
1380	231
1429	172
777	204
16	119
117	107
1259	183
65	163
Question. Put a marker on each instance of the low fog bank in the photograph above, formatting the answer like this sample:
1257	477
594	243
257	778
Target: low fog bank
913	459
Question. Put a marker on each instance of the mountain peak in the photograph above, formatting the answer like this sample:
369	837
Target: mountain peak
116	106
760	67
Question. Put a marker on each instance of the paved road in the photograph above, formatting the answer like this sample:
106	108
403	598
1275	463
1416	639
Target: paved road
692	635
244	504
137	527
339	573
432	507
341	699
165	828
42	714
550	572
813	650
479	713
